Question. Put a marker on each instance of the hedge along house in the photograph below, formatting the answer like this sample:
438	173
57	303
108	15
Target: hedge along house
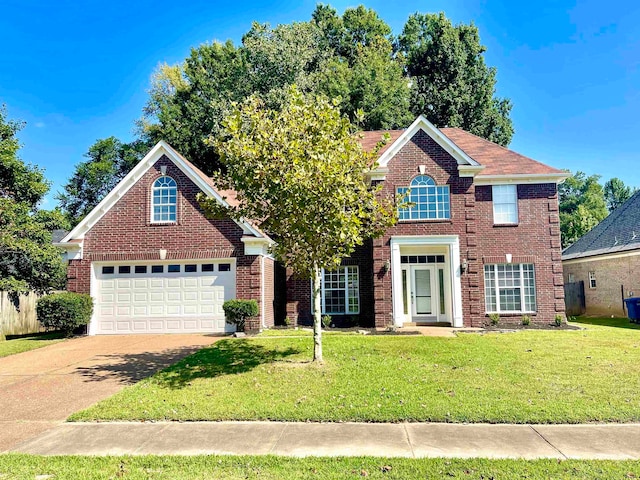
155	264
607	260
479	234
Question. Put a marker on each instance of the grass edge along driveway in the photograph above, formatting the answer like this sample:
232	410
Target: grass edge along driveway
25	343
525	377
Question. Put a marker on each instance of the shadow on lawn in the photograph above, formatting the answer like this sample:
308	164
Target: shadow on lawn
223	358
608	322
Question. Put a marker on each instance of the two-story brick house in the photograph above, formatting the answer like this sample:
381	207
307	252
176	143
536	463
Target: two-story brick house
481	235
478	233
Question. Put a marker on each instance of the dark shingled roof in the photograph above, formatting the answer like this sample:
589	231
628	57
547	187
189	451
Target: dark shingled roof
58	235
619	232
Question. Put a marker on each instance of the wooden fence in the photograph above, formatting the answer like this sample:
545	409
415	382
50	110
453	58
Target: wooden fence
22	321
574	300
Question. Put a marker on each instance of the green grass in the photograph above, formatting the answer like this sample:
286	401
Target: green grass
525	377
302	332
281	468
28	342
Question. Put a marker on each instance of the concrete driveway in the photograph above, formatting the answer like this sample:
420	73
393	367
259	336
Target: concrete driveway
41	388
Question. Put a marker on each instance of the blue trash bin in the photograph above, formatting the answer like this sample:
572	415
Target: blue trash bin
633	309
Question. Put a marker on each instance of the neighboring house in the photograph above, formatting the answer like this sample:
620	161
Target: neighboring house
479	235
607	260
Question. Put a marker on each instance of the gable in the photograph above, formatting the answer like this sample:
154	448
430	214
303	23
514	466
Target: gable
161	149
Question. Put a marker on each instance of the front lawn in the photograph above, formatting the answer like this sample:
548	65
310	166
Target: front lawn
282	468
524	377
28	342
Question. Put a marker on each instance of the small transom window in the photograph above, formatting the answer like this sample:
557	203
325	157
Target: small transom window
424	200
164	202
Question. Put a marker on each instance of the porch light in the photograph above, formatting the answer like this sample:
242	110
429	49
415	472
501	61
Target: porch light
386	267
463	266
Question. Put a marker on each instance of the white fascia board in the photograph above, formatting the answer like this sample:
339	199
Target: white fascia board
521	178
421	123
257	246
602	254
72	249
161	148
469	170
379	173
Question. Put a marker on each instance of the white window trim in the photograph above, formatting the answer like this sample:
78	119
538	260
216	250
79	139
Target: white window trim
346	291
522	288
438	211
514	202
593	283
152	213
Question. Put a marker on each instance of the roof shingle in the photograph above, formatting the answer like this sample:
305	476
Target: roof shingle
619	232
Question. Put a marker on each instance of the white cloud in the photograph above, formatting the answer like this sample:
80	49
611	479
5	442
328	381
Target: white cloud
39	124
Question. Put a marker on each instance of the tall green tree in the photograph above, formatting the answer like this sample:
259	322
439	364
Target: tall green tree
616	193
189	101
108	161
452	85
28	259
301	170
582	206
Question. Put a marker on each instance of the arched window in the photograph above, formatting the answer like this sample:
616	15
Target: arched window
424	200
164	200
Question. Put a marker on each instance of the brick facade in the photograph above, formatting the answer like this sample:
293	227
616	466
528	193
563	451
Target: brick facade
125	232
535	239
616	278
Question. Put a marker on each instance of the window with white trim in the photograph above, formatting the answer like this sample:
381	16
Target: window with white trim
505	204
164	200
592	279
424	200
340	291
510	288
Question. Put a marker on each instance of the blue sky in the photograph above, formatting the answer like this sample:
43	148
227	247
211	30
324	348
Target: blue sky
79	71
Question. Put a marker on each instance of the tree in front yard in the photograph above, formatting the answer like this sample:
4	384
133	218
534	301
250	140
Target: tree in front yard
301	171
28	259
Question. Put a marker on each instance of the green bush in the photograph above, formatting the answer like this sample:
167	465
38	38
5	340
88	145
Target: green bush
237	311
495	318
64	311
526	320
558	320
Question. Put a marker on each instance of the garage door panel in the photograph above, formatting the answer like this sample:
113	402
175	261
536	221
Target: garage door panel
156	296
162	301
140	297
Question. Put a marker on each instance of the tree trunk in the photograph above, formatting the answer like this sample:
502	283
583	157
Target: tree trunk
317	316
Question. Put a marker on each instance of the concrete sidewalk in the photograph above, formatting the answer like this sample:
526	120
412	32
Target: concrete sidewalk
615	442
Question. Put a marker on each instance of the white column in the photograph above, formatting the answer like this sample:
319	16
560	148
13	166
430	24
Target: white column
456	295
93	291
396	285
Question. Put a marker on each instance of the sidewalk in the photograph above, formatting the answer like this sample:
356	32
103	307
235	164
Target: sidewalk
611	441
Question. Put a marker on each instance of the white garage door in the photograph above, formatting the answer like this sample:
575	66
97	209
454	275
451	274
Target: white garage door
177	297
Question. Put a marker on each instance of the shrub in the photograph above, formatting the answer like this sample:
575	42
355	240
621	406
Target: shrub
64	311
495	318
558	320
236	312
326	321
526	320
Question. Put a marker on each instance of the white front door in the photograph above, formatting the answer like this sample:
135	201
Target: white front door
423	292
